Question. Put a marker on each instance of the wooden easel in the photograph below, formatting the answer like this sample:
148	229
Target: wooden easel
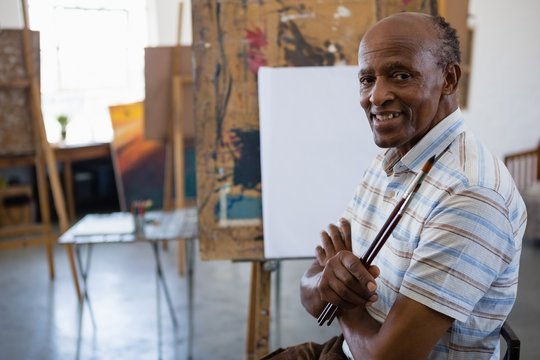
258	324
44	159
175	163
230	40
168	83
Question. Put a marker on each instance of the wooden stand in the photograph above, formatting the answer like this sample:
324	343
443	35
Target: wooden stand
169	118
258	328
43	159
231	39
178	159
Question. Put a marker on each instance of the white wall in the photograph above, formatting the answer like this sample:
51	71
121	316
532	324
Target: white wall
504	102
163	22
10	14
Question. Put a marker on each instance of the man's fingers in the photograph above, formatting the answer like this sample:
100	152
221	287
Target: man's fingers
345	228
343	287
334	291
320	255
337	240
368	286
327	244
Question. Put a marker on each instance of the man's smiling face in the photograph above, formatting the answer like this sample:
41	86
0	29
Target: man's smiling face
401	82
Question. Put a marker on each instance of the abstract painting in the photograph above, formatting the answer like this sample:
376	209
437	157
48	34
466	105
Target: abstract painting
139	163
231	41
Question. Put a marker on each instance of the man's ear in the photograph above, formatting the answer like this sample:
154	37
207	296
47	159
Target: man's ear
452	74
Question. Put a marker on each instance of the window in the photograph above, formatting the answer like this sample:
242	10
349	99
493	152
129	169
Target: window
92	56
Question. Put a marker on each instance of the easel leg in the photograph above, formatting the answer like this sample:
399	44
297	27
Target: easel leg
44	209
50	253
251	323
259	312
68	186
277	299
167	184
190	261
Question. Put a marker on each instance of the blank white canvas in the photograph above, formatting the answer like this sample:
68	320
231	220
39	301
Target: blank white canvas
315	146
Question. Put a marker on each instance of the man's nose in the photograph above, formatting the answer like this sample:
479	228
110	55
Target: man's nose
381	92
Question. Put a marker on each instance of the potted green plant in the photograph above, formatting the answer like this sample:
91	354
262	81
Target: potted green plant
63	120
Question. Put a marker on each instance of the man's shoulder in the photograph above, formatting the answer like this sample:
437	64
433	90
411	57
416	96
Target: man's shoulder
469	166
476	166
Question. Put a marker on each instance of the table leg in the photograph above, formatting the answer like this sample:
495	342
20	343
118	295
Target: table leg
277	299
84	269
161	279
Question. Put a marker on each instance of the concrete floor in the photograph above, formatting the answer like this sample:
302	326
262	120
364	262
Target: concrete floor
41	319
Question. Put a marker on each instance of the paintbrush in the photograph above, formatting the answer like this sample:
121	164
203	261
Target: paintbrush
330	311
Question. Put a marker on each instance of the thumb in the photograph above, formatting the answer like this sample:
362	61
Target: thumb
374	271
355	266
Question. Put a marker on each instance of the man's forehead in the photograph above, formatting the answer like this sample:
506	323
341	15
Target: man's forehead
392	49
394	43
397	36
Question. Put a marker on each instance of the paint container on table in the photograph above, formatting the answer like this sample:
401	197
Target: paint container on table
137	210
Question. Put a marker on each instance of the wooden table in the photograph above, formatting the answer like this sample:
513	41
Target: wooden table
65	154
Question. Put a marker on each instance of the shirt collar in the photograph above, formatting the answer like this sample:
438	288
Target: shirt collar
433	143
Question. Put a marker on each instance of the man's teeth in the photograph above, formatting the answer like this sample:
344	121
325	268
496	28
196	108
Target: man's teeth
387	116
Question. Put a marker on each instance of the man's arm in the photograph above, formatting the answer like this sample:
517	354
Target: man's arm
410	330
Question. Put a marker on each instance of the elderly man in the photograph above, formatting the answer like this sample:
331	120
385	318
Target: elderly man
446	279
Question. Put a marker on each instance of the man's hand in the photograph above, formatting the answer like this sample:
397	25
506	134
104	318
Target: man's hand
344	281
333	241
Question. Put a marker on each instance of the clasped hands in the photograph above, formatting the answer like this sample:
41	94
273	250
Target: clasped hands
344	281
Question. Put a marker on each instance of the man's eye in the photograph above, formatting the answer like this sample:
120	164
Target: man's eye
366	80
402	76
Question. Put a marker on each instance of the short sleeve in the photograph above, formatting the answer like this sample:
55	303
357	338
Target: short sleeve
466	243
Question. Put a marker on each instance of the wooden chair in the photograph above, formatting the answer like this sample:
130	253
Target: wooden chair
524	167
513	343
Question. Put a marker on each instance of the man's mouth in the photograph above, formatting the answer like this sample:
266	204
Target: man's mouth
386	116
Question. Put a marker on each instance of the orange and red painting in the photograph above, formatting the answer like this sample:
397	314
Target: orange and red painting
139	163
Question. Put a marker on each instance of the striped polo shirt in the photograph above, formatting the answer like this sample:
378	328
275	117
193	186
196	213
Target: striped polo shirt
457	246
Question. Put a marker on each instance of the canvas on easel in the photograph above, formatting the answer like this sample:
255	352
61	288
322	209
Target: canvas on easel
231	41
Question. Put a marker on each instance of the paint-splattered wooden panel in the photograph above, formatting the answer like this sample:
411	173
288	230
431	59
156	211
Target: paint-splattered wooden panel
389	7
16	127
231	40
